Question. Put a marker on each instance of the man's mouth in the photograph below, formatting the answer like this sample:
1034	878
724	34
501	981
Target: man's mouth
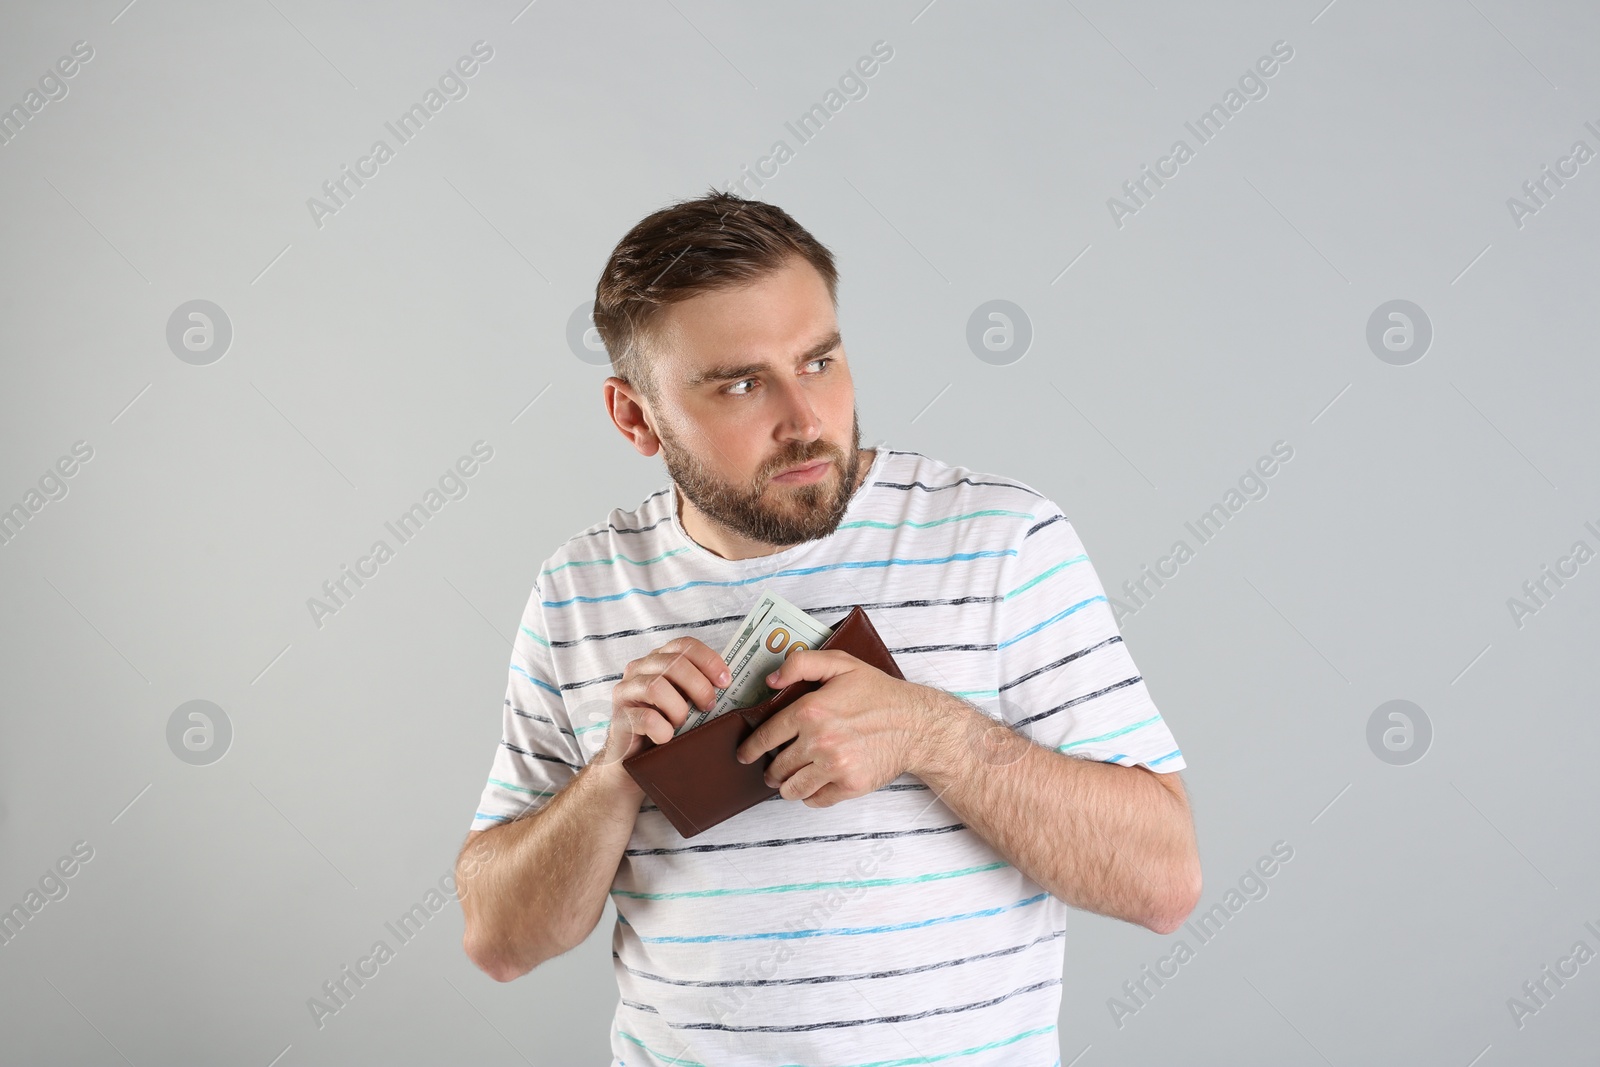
805	472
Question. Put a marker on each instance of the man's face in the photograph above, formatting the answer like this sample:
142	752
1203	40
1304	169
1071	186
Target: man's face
749	383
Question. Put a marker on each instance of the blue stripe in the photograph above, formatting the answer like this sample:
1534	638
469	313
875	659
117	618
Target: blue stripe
836	930
1052	619
492	818
1163	759
536	681
959	556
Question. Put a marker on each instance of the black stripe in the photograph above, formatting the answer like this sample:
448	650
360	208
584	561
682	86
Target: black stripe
1075	700
609	528
647	630
819	610
541	718
846	1023
1063	660
824	978
604	678
1036	527
895	651
906	650
541	755
929	602
952	485
770	842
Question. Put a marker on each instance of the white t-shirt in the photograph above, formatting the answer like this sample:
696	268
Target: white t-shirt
880	929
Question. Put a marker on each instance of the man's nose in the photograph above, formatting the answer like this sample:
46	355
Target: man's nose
798	418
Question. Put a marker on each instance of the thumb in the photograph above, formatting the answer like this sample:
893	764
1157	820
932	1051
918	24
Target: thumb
807	664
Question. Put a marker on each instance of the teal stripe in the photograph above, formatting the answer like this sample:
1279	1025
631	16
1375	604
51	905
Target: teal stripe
613	559
1035	581
1113	733
908	1061
939	561
878	525
785	935
662	1056
521	789
1052	619
592	726
904	1061
793	886
535	636
965	693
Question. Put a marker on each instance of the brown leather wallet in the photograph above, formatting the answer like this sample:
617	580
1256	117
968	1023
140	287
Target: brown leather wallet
696	780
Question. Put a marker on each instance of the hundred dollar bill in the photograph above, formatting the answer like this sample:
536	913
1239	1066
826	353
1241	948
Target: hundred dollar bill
772	630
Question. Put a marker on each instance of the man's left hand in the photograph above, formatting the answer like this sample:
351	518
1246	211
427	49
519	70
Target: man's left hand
861	730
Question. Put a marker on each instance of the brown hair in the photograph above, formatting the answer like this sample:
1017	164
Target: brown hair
714	242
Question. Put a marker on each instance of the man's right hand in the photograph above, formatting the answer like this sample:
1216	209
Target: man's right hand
652	699
535	901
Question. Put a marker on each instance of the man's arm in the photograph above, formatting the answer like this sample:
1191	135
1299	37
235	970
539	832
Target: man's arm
540	886
541	883
1114	840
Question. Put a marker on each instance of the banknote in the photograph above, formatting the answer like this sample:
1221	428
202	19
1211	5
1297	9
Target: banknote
773	629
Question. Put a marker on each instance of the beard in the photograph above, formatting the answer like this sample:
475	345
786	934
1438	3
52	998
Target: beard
766	511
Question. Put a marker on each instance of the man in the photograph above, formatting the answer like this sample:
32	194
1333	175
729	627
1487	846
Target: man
903	898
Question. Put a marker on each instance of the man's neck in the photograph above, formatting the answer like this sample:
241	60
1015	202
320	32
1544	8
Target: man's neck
716	540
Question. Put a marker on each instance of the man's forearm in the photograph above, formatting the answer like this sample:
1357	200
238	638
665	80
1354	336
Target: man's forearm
1105	838
545	884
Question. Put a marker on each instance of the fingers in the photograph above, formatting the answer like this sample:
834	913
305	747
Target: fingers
772	733
697	672
656	689
698	664
649	721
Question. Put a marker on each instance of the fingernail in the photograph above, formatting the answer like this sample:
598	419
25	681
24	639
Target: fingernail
772	679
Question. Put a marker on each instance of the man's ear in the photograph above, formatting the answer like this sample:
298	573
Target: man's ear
631	415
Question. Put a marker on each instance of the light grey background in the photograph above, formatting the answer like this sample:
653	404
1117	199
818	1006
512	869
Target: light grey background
368	354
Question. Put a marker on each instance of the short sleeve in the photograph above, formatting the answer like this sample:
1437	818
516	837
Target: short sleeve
1067	680
538	752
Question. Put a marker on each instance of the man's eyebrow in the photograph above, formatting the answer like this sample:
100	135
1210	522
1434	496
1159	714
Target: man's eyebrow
737	372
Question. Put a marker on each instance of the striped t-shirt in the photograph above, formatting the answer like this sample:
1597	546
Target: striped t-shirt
880	929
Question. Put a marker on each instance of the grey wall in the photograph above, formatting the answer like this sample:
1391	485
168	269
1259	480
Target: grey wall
1172	347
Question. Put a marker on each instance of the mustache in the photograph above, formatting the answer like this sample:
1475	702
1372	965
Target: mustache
782	465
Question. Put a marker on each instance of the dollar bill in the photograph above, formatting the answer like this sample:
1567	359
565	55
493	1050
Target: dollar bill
773	629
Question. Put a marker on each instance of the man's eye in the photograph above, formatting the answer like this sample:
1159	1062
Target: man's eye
734	390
